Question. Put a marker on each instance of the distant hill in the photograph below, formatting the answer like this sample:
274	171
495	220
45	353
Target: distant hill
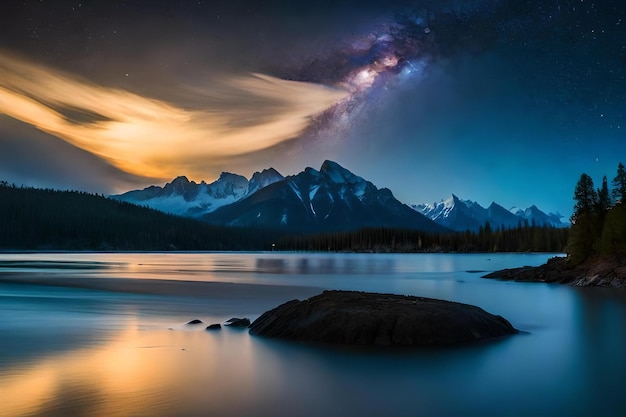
38	219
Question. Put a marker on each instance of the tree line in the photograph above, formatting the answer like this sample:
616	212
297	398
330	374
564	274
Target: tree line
45	219
522	238
599	219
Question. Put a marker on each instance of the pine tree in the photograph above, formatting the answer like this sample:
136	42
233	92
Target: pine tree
619	182
584	230
604	199
613	241
585	196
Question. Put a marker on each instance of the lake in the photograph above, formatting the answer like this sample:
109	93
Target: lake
84	334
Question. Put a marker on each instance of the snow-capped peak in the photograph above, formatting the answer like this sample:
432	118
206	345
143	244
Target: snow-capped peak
263	179
339	174
348	182
449	202
228	184
177	185
437	210
181	186
332	198
462	215
188	198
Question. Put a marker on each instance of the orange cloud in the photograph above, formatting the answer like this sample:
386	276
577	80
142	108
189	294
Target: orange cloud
155	138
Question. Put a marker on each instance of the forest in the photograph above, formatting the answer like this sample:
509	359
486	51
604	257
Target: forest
522	238
46	219
599	220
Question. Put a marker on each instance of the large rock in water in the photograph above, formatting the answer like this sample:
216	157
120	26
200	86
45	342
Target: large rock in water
360	318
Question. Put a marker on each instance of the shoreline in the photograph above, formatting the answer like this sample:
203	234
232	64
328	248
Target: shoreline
597	272
366	252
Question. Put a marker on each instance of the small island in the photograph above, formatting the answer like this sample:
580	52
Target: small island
362	318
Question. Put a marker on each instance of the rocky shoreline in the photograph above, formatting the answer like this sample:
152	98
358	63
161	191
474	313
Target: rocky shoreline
597	272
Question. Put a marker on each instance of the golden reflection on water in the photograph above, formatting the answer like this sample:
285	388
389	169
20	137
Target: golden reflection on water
23	394
136	372
121	359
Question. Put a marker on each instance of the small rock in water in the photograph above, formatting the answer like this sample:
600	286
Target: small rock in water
195	321
215	326
237	322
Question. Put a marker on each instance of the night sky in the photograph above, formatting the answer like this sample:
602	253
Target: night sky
494	100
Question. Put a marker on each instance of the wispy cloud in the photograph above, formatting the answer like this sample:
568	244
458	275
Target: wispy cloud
155	137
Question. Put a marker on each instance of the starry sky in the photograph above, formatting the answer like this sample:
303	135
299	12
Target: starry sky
492	100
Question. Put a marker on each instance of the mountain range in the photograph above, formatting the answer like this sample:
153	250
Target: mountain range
331	199
190	199
461	215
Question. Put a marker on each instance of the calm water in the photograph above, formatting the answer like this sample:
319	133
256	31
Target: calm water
104	335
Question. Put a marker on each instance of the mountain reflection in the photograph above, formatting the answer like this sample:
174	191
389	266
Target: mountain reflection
324	265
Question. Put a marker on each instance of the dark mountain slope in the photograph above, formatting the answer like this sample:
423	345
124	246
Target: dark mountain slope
331	199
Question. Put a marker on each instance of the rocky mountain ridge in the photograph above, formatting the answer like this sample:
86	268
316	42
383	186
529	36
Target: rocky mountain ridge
332	198
461	215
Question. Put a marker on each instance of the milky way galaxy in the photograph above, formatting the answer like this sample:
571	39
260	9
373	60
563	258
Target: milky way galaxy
493	100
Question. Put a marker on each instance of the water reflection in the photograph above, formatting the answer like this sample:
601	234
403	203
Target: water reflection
72	351
325	265
239	266
600	320
29	265
96	381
